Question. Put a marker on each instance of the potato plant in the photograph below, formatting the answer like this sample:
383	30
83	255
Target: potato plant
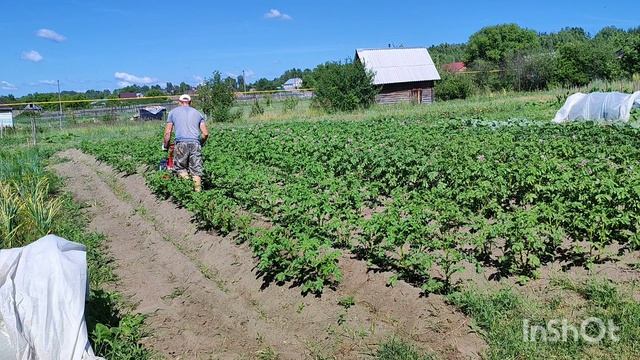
511	194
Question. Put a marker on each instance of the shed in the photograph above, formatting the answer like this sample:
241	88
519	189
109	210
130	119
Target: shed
152	113
6	117
32	107
293	84
403	74
129	95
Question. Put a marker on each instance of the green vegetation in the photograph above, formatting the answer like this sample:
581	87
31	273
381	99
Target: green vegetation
454	87
508	57
31	206
443	187
216	98
343	87
510	194
395	349
501	316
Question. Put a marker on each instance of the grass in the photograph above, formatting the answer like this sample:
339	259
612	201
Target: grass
32	205
501	317
115	331
395	349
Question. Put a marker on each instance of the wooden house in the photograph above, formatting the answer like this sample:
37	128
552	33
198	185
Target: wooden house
403	74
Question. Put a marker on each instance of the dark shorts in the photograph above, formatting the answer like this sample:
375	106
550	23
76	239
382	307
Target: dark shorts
187	156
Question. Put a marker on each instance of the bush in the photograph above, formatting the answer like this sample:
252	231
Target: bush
343	87
256	108
216	98
454	87
289	104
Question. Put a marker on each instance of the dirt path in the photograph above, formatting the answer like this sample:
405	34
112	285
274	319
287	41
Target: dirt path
203	299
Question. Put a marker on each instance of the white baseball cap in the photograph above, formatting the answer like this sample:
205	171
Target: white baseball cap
184	97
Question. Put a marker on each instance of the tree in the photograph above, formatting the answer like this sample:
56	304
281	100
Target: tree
494	43
531	71
154	92
447	53
216	98
566	35
264	84
631	55
169	88
579	63
183	88
343	86
231	82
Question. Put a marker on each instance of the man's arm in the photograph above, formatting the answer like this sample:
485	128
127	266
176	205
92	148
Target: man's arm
167	135
204	133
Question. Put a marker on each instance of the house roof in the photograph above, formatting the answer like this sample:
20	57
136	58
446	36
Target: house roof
399	65
293	81
33	107
154	109
454	67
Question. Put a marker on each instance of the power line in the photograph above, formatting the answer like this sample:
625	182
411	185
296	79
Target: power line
165	97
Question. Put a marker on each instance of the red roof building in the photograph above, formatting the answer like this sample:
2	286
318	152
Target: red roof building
454	67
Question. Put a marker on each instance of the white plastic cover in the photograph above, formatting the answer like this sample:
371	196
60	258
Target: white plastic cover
610	106
43	288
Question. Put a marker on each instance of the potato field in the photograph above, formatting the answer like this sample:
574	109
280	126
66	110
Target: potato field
428	199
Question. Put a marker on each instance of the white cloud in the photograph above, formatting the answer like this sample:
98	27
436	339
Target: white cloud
277	14
199	79
47	82
126	79
50	35
5	85
32	56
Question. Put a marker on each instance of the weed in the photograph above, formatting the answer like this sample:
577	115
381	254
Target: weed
347	302
395	349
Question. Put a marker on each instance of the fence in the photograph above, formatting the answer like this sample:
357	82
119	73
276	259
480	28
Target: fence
100	111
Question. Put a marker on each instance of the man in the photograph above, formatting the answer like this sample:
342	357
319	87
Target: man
191	134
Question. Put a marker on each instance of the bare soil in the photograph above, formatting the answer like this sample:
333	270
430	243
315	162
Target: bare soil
203	299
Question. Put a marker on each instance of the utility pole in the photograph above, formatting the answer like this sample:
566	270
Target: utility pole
60	104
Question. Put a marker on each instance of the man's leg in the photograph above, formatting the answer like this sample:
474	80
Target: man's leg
195	166
197	183
181	160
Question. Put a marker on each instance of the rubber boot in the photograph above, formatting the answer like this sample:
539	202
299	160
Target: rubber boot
197	183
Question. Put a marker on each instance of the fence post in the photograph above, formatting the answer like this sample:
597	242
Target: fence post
59	103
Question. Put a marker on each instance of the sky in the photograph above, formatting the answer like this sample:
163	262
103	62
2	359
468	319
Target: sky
109	44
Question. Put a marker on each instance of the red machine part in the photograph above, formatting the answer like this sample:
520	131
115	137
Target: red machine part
170	158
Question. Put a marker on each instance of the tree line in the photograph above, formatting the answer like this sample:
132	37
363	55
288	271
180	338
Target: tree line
509	57
499	57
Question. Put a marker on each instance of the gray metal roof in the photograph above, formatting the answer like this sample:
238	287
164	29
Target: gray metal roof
399	65
292	81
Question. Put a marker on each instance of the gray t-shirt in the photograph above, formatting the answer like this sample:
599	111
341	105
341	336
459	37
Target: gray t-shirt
186	122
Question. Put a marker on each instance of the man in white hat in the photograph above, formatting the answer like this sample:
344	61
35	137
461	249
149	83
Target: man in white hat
191	134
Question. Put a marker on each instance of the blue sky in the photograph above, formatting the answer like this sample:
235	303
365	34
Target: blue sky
105	44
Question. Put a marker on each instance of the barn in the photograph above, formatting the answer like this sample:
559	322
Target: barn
152	113
403	74
6	117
